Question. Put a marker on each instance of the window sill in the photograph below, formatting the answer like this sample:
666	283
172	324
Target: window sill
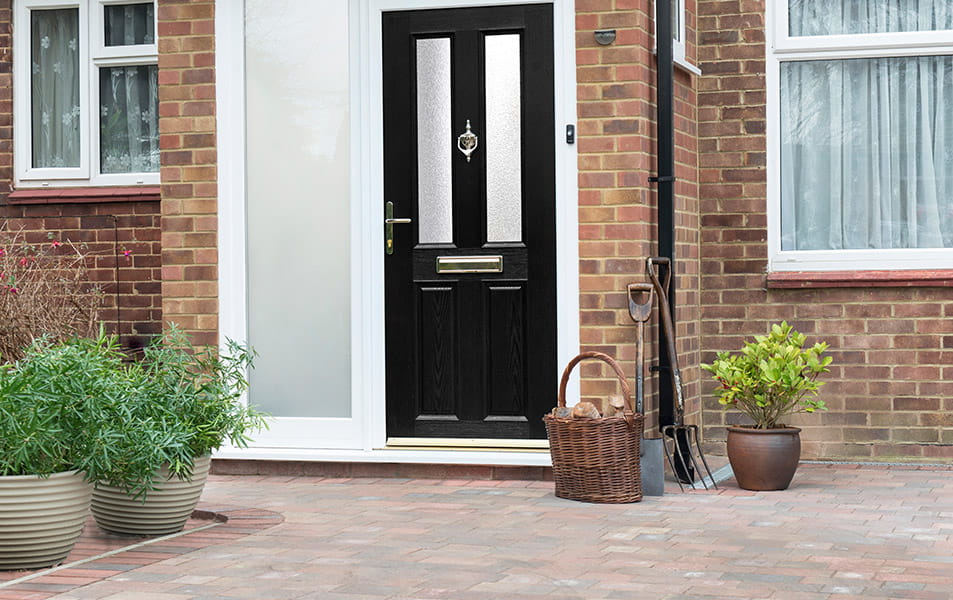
684	65
85	195
849	279
681	63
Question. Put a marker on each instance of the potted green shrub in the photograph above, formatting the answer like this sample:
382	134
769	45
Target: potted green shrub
63	424
193	396
770	378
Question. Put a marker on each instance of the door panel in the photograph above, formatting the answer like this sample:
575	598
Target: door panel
470	354
436	314
506	373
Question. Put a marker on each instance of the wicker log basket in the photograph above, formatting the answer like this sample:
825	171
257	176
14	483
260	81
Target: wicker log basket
596	460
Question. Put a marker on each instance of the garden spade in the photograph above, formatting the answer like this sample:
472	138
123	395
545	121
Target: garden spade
651	461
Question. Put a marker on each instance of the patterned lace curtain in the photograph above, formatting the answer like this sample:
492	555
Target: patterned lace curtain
129	96
867	143
55	87
129	124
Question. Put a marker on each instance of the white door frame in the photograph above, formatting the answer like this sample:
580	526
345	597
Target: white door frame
363	436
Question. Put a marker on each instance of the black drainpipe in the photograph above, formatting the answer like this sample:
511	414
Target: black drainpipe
665	178
665	140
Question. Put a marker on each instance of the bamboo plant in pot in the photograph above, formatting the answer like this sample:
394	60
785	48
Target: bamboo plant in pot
770	378
194	395
63	424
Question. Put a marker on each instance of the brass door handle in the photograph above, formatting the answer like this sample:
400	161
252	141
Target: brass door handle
389	222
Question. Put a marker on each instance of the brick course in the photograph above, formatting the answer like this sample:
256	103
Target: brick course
189	166
106	231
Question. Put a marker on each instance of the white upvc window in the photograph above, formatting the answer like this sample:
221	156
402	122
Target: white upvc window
679	18
860	134
678	31
86	93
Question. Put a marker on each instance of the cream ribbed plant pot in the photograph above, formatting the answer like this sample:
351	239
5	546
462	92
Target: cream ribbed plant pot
41	519
165	509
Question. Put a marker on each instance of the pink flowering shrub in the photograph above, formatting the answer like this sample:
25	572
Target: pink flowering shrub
45	289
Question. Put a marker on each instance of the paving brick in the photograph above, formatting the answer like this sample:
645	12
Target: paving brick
846	529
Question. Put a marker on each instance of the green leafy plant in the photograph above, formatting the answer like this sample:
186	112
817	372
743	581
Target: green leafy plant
771	377
194	395
81	404
63	406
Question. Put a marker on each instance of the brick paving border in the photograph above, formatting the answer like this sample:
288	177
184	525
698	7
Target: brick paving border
230	523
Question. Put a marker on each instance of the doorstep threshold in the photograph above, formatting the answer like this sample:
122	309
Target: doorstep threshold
468	444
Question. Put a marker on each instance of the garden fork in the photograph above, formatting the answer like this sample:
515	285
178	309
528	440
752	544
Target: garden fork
686	442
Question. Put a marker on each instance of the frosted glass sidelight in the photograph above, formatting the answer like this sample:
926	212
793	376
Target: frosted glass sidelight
298	212
504	198
434	142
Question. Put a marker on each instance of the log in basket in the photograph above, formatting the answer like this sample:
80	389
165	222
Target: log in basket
596	460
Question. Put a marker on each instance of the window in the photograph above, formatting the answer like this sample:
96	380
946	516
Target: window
86	93
678	30
678	33
861	135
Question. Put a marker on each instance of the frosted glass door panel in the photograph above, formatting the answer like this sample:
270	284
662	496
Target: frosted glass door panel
298	206
434	142
504	178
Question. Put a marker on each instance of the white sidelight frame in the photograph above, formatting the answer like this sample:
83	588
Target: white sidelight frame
93	54
362	437
782	47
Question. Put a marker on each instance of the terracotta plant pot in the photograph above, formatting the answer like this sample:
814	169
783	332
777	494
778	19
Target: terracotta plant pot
164	510
41	519
764	459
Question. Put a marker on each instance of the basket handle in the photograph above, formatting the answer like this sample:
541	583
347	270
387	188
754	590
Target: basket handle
604	358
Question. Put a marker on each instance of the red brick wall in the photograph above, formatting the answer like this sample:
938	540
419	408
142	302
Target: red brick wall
617	205
890	391
189	172
105	231
133	224
687	223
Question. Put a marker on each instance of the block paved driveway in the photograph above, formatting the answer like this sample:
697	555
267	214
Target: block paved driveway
841	531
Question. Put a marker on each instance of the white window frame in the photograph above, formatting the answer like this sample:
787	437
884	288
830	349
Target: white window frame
782	47
93	53
678	40
905	41
678	37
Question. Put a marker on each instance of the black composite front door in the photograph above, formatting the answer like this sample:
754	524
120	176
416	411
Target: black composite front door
470	285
